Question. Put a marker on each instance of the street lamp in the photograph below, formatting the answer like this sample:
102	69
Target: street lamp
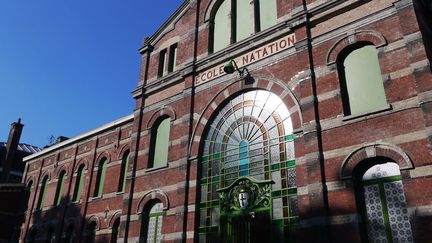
231	67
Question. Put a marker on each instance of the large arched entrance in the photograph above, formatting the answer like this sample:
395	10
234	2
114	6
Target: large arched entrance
248	178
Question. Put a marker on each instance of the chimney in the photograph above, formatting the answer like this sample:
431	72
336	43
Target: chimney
11	149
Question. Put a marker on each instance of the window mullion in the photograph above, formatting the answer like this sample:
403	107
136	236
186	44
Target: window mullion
255	10
232	6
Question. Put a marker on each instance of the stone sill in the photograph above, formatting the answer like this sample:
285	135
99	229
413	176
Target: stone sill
367	113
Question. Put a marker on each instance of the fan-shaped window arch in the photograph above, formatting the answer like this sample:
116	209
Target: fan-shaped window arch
123	171
159	143
362	87
79	181
59	190
42	192
248	143
235	20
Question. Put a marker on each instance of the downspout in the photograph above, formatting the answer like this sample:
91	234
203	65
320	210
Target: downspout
326	236
65	203
190	132
138	136
83	221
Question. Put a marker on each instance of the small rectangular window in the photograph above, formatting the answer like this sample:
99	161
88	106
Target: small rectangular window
172	58
162	63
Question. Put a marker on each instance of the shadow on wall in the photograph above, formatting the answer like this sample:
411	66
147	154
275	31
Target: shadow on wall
61	223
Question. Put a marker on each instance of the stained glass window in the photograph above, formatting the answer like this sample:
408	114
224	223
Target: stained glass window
386	208
250	136
154	226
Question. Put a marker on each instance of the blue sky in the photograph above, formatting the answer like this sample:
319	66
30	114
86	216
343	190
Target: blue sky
69	66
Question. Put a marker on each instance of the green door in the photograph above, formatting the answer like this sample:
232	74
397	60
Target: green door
248	228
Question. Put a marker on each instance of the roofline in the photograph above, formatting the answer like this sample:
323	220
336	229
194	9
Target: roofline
79	137
161	29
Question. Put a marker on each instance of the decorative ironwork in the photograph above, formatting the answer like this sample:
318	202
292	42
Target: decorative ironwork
245	194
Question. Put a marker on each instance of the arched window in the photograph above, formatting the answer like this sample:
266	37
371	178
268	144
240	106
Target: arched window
59	190
159	144
235	20
31	238
123	171
42	193
115	230
29	186
248	153
50	235
100	179
151	226
79	181
362	87
384	203
90	234
70	234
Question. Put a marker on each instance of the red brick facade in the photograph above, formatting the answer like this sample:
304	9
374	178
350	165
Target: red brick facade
329	145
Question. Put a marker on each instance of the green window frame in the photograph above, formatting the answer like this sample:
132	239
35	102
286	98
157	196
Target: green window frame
123	171
154	223
235	20
59	190
42	193
100	179
78	184
160	143
362	87
115	230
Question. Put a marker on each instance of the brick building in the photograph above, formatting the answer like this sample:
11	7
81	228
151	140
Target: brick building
264	120
13	194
